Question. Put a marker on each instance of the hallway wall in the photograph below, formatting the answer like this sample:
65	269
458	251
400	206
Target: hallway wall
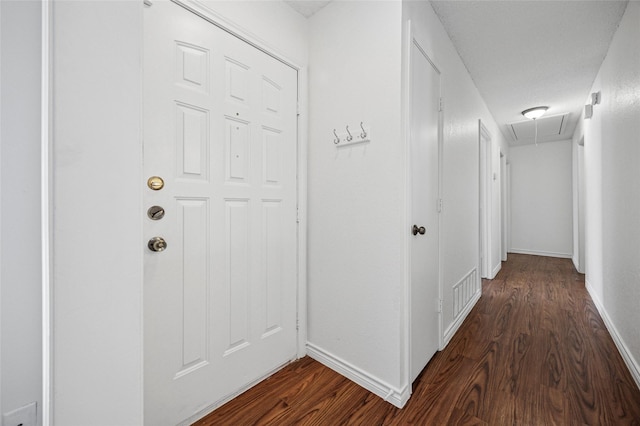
611	152
463	106
358	256
20	225
356	194
97	214
541	199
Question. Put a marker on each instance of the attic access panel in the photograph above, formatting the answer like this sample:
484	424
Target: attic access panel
547	127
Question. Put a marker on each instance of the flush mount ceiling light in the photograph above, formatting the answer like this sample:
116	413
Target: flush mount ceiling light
535	112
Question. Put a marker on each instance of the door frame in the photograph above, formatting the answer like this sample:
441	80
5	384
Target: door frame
246	36
47	173
413	36
504	201
484	200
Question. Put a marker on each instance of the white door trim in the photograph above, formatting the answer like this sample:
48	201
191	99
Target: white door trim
200	9
210	15
504	199
484	197
45	206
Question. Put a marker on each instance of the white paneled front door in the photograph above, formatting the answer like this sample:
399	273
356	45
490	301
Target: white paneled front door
425	102
220	131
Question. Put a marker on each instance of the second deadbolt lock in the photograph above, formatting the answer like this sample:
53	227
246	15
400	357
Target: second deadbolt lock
155	212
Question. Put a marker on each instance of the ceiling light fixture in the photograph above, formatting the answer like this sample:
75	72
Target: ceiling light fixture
535	112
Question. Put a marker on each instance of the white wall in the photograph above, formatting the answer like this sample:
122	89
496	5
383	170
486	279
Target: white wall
541	199
97	214
20	246
98	182
611	151
578	257
357	200
463	106
356	194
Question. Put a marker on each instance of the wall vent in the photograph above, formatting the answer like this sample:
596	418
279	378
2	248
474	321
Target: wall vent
464	291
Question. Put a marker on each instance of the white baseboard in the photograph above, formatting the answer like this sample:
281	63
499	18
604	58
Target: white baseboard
496	269
374	385
632	364
541	253
453	328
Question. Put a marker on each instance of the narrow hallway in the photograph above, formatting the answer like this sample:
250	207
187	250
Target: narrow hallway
534	350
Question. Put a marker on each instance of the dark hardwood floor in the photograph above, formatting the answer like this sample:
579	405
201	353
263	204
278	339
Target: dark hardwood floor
533	351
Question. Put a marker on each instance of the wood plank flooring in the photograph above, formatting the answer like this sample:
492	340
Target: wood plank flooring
533	351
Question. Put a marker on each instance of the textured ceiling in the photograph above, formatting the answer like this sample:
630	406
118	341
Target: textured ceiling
526	53
522	54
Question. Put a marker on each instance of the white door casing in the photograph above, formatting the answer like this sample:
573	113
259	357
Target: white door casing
424	165
220	129
504	199
484	200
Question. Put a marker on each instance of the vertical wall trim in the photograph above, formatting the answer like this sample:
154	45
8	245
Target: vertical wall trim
45	199
303	127
1	368
485	200
405	342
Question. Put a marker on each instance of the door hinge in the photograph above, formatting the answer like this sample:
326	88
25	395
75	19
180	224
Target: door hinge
439	205
441	105
297	109
297	215
440	305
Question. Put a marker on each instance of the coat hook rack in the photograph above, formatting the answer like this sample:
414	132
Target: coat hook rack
347	138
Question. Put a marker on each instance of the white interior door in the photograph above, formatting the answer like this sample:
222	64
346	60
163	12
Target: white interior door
425	102
220	130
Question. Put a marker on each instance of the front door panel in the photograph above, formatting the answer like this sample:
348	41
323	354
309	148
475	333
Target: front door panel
220	130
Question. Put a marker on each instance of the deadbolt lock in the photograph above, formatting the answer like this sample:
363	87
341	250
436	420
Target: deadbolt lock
155	212
155	182
157	244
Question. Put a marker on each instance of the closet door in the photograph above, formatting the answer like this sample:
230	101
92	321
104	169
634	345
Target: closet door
425	106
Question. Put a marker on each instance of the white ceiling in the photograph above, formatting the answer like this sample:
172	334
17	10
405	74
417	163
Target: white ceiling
307	7
522	54
526	53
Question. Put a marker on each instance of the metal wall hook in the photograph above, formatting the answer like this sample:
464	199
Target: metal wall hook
337	139
363	135
349	138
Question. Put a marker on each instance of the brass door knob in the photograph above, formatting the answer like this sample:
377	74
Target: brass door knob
421	230
157	244
155	182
